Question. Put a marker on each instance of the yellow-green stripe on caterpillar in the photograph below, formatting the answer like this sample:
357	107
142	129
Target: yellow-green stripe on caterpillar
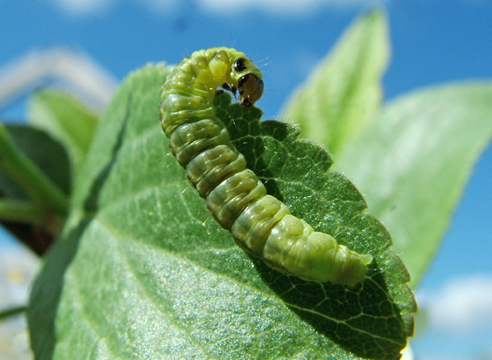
260	224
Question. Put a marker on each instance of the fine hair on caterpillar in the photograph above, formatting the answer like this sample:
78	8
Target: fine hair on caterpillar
260	224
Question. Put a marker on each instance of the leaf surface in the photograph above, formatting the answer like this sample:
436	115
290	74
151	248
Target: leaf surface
45	152
414	161
142	271
344	92
52	159
67	120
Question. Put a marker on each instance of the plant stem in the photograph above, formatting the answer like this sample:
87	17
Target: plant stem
20	211
12	311
40	189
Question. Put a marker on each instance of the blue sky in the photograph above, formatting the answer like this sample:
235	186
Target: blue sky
433	42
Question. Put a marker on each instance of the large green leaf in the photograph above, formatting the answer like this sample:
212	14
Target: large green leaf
67	120
344	91
414	161
142	271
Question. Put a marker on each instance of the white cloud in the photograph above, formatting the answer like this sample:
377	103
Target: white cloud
463	305
225	7
280	7
83	7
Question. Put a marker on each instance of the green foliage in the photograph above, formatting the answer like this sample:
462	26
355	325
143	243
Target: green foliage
66	119
142	243
39	164
35	170
411	158
45	153
29	173
420	152
142	271
344	92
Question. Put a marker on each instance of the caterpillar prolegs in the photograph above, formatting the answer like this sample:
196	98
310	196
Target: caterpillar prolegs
260	224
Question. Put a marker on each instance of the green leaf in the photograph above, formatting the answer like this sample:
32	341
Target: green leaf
142	271
414	161
67	120
344	92
45	152
26	175
20	216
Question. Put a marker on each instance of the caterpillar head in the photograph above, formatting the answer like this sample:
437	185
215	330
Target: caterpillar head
249	81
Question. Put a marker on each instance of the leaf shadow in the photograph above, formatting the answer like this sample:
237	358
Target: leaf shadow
245	131
47	289
91	205
369	330
362	319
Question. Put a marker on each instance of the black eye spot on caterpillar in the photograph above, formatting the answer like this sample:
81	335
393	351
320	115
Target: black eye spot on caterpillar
260	224
239	64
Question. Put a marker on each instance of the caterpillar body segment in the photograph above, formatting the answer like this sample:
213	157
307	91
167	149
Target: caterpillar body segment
260	224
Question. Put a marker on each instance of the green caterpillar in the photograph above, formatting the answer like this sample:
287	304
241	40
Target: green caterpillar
260	224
